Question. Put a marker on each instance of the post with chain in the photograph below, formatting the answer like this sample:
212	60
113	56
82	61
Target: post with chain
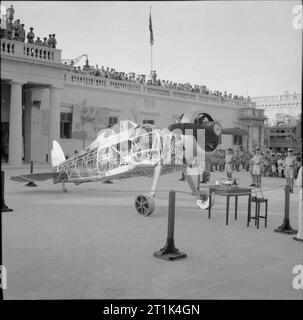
285	227
169	251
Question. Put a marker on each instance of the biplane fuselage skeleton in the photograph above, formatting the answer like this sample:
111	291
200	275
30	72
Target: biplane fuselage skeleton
130	150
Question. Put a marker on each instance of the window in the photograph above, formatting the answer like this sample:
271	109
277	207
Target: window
112	121
66	125
148	121
237	140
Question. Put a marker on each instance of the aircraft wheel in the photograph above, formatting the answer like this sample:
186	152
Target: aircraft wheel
144	204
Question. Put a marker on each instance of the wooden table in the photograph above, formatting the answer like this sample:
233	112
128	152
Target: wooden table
229	192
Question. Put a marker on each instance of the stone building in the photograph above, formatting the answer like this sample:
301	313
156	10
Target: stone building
43	99
281	106
284	136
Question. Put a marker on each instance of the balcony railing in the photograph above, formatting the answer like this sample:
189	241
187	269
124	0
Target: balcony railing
87	80
29	51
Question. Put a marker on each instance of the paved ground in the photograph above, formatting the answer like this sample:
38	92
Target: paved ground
91	243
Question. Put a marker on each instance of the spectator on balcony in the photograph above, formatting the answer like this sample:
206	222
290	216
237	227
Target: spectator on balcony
22	33
38	42
154	76
54	41
97	71
17	28
30	36
9	30
49	40
10	14
44	43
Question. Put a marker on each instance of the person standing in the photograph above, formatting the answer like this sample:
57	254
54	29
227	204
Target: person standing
242	158
38	42
290	165
280	166
248	158
222	160
299	235
273	166
44	43
30	36
237	160
257	168
22	33
229	163
267	164
17	28
216	159
50	41
10	13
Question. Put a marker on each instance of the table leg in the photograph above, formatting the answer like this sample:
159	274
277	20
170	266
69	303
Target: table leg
266	214
209	207
248	210
258	217
227	209
256	212
236	207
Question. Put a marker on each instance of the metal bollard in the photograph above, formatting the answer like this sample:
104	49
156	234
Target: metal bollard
4	207
31	183
169	251
285	227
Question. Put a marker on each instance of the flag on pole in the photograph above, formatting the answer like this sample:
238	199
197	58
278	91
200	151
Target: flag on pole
151	39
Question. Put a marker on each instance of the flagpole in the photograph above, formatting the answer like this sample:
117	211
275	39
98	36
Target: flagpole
151	47
151	58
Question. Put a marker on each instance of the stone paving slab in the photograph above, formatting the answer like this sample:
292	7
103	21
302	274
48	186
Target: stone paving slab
91	243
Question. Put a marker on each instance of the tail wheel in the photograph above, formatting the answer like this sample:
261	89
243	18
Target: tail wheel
144	204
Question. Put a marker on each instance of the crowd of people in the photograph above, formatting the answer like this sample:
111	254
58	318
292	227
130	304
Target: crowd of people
153	80
14	30
266	164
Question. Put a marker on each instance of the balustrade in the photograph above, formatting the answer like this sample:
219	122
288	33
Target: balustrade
7	47
26	50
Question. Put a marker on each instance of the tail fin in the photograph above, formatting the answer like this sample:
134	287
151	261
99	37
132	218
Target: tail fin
57	154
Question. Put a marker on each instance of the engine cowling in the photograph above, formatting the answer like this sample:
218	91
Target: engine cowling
200	120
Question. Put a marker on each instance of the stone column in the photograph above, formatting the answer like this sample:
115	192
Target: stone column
15	125
54	117
250	138
262	133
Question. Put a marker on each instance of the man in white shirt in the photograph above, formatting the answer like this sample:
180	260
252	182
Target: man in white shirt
290	165
257	168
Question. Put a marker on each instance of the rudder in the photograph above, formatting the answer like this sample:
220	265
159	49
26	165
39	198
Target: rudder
57	154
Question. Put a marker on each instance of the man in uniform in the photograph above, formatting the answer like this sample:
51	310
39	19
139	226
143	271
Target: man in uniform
44	43
50	40
290	164
30	36
257	161
267	164
237	160
216	159
54	41
229	163
10	14
22	33
242	158
222	160
38	42
17	28
9	29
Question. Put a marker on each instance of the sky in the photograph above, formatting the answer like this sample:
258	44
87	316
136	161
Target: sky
247	47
